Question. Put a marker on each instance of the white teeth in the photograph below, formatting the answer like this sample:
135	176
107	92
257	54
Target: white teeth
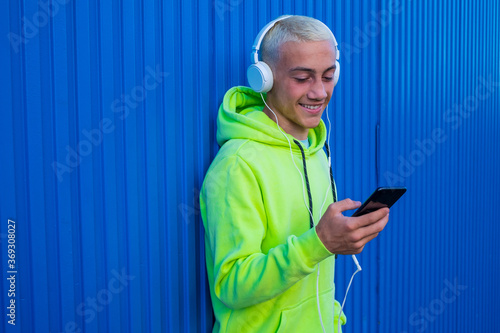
312	107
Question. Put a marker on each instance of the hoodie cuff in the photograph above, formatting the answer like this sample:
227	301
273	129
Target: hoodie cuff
311	249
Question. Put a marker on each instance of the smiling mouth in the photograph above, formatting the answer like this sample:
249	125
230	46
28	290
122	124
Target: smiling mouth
311	107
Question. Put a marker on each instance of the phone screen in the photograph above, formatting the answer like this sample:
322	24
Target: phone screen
382	197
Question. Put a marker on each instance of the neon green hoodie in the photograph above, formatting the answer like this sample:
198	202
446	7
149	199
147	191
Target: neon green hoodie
262	255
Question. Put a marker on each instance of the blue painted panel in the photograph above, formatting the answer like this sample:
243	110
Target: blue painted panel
439	132
108	127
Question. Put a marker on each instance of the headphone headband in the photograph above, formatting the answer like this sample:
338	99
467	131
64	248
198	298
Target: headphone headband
262	34
259	74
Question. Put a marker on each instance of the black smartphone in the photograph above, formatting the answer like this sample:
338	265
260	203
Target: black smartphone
380	198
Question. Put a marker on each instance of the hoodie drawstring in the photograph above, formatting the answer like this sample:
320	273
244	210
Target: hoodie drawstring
332	183
311	221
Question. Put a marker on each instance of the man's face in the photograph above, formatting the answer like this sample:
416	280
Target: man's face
303	85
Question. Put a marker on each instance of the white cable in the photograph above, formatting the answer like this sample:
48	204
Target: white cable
358	266
305	203
328	138
347	291
329	160
291	154
317	301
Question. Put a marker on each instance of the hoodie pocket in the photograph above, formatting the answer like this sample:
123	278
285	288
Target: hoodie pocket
304	317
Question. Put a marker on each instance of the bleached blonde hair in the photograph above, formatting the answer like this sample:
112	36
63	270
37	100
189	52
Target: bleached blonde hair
296	28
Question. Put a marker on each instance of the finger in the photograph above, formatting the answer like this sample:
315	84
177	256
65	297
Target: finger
375	228
346	204
364	242
370	218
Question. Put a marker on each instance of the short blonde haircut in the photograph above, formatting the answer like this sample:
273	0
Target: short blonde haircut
296	28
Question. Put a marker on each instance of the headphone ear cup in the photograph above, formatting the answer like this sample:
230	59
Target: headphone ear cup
336	75
260	77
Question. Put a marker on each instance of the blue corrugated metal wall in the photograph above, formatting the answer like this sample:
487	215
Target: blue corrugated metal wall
108	125
440	89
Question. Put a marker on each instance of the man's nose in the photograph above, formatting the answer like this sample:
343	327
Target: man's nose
317	91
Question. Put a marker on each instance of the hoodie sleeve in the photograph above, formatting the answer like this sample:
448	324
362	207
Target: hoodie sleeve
235	225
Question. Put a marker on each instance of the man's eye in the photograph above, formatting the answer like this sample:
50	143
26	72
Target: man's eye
301	79
328	78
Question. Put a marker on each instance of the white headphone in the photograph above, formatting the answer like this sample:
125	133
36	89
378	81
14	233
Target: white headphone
260	75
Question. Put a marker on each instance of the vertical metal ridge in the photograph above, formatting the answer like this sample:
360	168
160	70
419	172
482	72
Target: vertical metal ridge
29	186
132	203
7	137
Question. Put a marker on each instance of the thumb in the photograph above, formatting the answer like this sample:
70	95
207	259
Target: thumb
346	204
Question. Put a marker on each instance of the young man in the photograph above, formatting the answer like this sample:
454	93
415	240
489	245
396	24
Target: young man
267	202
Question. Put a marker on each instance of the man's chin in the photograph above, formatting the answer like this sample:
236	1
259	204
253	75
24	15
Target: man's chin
313	122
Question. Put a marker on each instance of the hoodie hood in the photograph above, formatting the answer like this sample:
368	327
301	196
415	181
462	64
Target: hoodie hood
241	117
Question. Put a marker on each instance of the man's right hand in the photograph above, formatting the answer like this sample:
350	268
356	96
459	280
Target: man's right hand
348	235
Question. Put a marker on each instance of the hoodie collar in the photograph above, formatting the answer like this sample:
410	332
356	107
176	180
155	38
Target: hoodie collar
241	117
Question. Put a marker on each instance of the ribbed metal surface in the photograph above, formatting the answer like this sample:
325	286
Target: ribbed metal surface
104	147
440	88
108	126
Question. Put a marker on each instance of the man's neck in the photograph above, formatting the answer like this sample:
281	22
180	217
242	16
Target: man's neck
284	124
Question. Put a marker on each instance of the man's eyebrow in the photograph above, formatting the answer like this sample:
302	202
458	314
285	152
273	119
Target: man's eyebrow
310	70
